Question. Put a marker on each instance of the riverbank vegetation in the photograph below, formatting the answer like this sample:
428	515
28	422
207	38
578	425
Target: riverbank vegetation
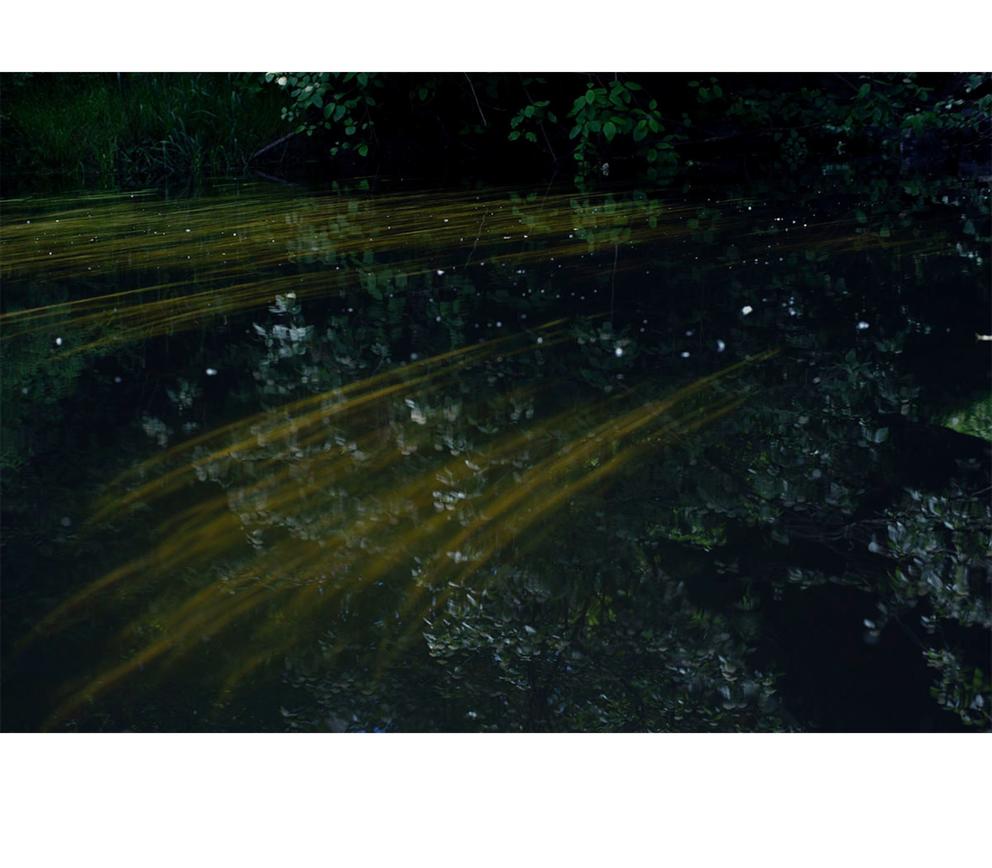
134	129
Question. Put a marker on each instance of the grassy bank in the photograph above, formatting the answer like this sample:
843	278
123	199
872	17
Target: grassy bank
106	129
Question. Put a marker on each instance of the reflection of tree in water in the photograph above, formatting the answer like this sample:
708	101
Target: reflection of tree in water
579	526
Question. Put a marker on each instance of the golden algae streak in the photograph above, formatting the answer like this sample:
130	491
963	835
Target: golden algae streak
404	480
210	526
189	262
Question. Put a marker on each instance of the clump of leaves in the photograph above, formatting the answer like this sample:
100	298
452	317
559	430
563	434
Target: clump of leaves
340	103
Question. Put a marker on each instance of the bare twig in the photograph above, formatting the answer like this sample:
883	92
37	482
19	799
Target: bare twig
272	145
476	98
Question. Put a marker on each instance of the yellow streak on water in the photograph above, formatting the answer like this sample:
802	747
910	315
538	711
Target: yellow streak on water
296	573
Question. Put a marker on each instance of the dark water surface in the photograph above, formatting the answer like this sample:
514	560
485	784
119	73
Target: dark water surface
499	460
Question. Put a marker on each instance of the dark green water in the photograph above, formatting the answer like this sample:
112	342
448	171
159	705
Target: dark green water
521	460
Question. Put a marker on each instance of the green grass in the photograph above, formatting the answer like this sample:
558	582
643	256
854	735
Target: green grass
105	129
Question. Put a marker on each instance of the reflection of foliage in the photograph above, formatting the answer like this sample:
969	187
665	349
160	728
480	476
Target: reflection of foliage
520	657
941	546
587	556
975	419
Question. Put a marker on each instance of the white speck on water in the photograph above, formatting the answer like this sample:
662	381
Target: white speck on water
211	372
685	354
118	379
720	346
862	325
618	351
58	342
746	310
690	332
499	324
66	521
540	340
440	272
189	230
414	357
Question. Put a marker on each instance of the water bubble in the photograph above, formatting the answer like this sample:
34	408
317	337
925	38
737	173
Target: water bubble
720	346
862	325
685	354
58	342
618	351
746	309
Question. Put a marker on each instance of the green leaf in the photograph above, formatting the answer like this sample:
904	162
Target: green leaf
864	90
514	135
363	79
609	130
860	216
